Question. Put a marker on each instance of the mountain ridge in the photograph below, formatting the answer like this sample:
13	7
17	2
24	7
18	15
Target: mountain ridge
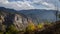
7	18
35	14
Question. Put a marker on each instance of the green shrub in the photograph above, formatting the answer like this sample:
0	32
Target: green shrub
12	30
1	32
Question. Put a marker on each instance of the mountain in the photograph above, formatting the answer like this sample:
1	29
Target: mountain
37	15
10	20
10	17
40	15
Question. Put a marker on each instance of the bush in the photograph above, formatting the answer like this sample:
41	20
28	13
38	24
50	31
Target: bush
40	26
31	27
1	32
12	30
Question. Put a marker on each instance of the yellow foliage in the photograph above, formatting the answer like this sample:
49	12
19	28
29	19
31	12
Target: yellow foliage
31	27
40	26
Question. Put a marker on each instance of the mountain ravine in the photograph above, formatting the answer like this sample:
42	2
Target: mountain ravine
18	20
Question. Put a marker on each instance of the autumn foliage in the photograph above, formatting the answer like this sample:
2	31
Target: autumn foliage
41	28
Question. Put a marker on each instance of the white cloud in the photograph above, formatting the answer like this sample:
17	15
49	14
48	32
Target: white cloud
49	5
20	5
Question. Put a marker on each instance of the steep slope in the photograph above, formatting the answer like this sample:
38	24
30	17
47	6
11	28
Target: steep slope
8	18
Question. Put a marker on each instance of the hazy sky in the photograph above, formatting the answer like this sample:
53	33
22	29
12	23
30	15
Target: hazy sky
30	4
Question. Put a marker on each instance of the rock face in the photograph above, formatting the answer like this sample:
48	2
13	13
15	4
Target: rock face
2	27
18	20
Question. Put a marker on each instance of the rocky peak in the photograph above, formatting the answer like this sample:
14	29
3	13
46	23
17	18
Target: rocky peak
18	20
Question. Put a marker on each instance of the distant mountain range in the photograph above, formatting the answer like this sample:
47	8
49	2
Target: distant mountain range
37	15
41	15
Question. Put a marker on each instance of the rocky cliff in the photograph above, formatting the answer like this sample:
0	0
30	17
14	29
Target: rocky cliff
7	18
